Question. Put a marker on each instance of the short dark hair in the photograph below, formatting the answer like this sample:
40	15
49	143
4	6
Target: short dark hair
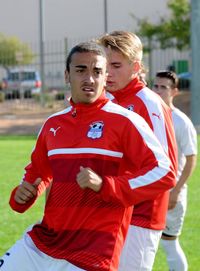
85	47
169	75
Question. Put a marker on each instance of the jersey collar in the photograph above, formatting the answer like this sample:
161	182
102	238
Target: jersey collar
132	88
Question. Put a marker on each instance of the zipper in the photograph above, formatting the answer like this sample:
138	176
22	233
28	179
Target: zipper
74	113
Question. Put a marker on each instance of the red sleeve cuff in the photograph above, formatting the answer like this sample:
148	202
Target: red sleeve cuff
20	208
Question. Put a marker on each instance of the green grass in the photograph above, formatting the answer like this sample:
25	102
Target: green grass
15	153
190	237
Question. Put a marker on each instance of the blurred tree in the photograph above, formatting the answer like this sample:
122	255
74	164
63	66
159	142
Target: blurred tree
14	52
172	31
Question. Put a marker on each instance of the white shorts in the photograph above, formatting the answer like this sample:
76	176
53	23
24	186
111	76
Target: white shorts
139	250
25	256
175	217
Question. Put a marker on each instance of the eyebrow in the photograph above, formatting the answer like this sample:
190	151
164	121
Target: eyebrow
98	68
164	86
85	67
80	66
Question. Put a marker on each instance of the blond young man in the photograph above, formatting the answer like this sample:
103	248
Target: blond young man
124	55
166	85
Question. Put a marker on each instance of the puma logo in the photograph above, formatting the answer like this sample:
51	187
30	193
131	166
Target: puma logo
158	116
54	131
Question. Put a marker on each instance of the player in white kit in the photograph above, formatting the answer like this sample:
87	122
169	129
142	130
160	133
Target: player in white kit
165	84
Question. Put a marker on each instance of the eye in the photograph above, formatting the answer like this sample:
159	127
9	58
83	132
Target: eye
117	66
164	87
97	72
79	70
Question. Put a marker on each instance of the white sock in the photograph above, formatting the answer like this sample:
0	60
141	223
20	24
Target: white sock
175	256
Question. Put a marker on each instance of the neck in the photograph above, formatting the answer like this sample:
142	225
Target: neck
171	105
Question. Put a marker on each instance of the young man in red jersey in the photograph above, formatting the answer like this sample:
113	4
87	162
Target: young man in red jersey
124	56
97	169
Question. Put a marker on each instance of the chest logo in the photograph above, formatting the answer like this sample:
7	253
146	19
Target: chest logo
54	131
130	107
156	115
95	130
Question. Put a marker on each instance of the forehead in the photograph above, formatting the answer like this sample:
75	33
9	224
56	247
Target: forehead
114	55
163	81
88	59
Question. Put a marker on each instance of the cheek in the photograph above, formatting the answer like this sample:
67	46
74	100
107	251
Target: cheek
166	95
125	76
118	75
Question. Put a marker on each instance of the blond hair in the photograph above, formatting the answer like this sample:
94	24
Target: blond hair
125	42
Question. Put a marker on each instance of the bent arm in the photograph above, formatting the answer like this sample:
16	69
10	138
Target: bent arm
186	173
150	171
24	195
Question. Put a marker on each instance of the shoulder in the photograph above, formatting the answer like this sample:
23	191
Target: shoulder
181	119
147	95
125	114
151	100
183	126
118	109
155	107
53	119
60	113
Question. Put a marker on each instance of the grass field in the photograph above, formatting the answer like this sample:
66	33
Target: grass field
15	152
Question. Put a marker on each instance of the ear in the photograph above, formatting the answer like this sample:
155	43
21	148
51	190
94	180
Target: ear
66	77
175	92
136	66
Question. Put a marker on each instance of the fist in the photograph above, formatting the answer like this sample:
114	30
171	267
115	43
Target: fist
87	178
26	191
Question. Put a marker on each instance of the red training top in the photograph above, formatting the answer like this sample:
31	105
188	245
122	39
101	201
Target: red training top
140	99
81	226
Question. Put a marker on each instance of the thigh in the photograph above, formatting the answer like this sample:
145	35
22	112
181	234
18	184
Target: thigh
139	249
25	256
175	219
74	268
60	265
18	257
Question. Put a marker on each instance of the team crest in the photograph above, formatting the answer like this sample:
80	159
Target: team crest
96	130
130	107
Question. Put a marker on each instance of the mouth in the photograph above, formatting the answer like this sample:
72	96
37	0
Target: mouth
88	89
110	83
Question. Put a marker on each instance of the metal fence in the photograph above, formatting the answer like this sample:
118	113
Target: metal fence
55	53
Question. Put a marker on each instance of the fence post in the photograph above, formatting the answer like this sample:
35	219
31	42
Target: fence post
195	41
42	68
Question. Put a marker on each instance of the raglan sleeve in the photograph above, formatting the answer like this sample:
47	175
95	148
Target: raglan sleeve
188	143
149	171
159	117
38	167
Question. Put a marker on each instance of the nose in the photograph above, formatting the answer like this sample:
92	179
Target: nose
156	89
89	78
109	72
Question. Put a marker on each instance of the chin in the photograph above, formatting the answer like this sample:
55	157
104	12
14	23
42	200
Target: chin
89	101
111	88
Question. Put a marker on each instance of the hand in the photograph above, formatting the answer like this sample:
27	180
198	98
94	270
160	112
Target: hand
26	191
87	178
173	198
